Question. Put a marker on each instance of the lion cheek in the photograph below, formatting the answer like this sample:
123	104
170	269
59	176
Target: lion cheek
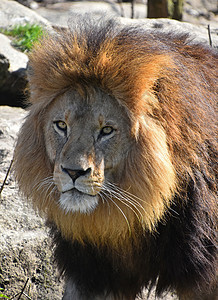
51	145
62	182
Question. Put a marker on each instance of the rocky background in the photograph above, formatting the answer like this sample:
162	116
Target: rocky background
25	248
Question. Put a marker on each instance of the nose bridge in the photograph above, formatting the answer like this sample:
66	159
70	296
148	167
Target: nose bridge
78	152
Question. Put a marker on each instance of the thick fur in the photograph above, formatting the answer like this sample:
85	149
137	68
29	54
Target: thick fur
168	86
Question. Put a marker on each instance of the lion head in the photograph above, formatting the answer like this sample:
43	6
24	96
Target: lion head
103	147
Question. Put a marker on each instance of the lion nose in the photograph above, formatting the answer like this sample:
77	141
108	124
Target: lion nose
74	174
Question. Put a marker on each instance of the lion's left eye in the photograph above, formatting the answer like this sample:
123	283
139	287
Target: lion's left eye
61	125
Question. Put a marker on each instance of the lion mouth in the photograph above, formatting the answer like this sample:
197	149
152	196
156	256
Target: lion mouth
74	200
75	191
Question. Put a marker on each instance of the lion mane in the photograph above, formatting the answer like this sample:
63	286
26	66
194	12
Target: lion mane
168	85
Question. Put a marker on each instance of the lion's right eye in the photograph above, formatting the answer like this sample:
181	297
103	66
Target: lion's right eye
61	126
106	130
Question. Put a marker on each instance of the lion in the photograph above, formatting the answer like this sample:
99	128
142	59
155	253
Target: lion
118	153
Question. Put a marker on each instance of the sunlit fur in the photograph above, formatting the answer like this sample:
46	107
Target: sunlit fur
170	103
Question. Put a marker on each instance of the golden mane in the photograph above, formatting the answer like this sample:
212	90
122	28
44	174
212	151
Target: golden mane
151	82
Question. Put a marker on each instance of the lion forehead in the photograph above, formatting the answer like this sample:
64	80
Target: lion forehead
98	104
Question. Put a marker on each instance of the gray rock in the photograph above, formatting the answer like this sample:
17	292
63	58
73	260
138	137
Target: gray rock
13	81
25	251
16	58
4	66
13	76
59	13
13	13
63	14
198	33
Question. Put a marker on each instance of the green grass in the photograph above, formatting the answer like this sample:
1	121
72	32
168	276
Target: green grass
3	296
24	36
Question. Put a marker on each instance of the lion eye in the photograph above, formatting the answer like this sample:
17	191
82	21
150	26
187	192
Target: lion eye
61	125
106	130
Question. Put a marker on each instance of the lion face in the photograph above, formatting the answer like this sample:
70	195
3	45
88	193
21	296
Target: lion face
92	167
87	139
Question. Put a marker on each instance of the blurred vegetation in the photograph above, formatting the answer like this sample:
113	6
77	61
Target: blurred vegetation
2	296
24	36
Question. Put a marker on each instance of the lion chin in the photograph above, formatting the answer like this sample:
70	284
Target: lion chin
76	201
118	152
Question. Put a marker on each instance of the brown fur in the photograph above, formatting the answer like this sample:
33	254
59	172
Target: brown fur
169	93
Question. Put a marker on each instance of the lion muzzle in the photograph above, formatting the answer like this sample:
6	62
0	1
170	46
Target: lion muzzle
78	188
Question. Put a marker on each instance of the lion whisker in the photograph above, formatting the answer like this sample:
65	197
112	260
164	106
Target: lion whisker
48	195
46	187
104	195
125	217
53	190
133	197
51	184
43	182
103	198
127	202
128	197
125	195
119	208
